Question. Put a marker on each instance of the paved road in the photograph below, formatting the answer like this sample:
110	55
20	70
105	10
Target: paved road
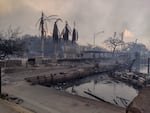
41	99
5	108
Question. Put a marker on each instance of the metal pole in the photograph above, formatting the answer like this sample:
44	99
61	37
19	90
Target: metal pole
95	34
148	66
94	45
94	41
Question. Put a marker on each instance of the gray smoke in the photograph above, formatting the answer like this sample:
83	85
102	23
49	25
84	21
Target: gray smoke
90	16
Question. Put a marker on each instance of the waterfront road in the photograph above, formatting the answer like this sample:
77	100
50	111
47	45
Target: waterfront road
40	99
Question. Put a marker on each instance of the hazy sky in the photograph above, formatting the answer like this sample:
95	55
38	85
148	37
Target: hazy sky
131	16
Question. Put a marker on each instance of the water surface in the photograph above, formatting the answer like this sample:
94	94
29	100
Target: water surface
104	87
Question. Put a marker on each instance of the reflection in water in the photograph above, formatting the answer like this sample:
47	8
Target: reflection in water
103	87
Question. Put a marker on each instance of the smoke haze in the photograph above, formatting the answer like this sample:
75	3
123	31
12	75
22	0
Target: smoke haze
91	16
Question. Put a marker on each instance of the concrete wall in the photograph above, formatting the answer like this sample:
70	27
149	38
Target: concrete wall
11	63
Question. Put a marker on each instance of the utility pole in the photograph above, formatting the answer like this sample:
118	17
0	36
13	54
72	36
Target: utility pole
95	34
148	66
94	41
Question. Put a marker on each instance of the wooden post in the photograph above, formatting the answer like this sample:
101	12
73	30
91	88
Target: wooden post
0	83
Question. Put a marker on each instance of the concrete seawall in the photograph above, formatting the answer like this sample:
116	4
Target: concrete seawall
141	103
69	75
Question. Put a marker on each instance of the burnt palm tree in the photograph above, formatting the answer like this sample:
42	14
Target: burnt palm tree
66	32
56	35
43	28
74	34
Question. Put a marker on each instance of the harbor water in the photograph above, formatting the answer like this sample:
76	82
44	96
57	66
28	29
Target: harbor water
103	87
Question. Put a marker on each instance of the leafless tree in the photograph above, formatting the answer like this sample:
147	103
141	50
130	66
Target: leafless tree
9	44
114	42
13	33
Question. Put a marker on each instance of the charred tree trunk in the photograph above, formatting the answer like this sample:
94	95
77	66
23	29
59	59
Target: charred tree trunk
42	35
